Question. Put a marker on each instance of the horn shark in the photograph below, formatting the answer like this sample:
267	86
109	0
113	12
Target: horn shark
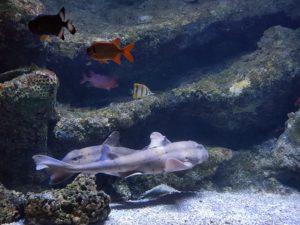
88	155
93	153
160	156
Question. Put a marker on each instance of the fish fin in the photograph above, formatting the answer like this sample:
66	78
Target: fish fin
106	153
129	174
56	167
41	167
113	139
117	59
134	174
127	52
71	27
61	34
58	177
157	139
61	13
103	61
117	42
172	165
84	79
45	37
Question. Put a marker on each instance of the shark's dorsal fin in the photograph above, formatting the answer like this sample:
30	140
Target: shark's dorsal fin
176	165
113	139
106	153
157	139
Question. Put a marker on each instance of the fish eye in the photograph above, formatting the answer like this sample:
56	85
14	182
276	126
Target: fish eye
77	158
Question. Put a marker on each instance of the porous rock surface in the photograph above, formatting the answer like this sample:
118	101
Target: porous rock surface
287	149
10	205
14	15
172	22
78	203
26	105
238	99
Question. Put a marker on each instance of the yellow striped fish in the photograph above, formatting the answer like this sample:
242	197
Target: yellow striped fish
140	91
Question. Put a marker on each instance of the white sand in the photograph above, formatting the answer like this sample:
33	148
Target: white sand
211	208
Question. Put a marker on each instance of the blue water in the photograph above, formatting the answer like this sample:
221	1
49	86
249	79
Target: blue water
177	44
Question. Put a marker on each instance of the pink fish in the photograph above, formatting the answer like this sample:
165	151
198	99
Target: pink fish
99	81
297	102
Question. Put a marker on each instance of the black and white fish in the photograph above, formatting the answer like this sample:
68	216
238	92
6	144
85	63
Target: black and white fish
140	91
45	25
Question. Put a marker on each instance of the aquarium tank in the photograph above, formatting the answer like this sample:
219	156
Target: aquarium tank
150	112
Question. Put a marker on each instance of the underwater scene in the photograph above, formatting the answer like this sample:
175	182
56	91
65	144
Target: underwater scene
150	112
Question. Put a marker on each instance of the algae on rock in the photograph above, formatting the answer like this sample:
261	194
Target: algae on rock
272	66
26	106
10	205
287	149
78	203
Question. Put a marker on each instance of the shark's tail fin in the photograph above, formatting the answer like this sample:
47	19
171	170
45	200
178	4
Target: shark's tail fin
59	170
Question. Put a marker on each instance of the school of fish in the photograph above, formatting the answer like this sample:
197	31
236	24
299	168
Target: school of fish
101	51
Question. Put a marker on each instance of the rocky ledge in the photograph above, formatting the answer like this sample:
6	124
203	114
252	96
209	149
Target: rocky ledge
27	99
237	100
78	203
287	149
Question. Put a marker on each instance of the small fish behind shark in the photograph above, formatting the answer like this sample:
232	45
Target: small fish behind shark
160	156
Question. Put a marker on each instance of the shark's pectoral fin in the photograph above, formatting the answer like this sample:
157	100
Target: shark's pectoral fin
172	165
130	174
41	167
59	177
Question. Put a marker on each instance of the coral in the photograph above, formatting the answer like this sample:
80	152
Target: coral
78	203
26	106
10	204
253	169
238	86
287	149
15	9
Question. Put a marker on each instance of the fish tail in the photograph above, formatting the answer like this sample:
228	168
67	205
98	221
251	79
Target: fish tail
84	79
70	27
59	170
127	52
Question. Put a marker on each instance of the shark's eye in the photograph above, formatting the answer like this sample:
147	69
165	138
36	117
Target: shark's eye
77	158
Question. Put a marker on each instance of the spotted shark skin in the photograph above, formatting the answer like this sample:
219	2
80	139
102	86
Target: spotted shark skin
160	156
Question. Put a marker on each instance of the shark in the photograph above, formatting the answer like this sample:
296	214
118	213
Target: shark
160	156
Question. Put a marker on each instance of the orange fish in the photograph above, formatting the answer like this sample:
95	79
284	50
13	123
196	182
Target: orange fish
105	51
